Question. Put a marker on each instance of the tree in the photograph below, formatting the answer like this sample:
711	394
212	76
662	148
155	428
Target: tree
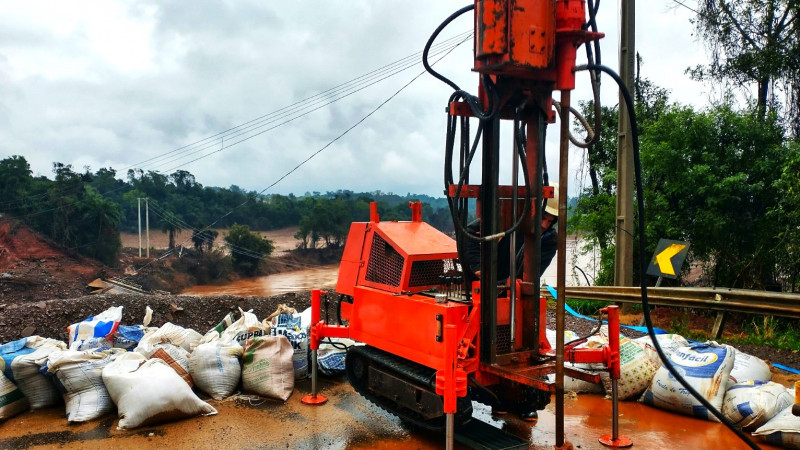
710	178
753	41
203	239
247	249
787	216
15	185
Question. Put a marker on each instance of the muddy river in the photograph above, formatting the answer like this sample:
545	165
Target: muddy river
322	277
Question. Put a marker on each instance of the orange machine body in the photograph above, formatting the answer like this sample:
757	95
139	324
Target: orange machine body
384	268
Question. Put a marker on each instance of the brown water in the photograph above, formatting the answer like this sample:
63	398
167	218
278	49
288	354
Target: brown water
320	277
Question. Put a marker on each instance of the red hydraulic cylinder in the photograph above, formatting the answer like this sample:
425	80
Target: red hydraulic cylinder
318	331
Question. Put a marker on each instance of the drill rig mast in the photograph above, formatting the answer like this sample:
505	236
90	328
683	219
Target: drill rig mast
437	334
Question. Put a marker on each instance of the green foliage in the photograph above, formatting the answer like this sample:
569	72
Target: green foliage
211	265
753	42
203	239
86	211
247	249
587	307
724	180
780	333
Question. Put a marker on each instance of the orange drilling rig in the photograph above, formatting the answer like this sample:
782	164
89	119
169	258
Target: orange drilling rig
437	333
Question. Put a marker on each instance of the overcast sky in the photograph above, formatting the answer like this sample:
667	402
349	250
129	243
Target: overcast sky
141	84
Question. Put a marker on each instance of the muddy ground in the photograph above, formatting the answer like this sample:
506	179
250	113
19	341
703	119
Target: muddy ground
43	290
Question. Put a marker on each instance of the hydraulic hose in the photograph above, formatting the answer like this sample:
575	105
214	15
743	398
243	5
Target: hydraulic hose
643	257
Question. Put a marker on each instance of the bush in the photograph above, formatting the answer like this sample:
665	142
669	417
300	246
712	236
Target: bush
247	249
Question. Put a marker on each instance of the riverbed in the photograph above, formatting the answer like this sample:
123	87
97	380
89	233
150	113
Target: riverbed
317	277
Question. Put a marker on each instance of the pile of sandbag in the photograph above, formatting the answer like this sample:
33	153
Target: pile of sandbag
783	429
735	383
149	374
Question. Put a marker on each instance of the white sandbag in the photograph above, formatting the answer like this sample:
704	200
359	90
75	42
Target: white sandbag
576	384
668	343
215	333
175	357
80	374
96	331
749	368
216	368
636	367
706	367
330	357
12	402
551	336
169	333
247	326
783	430
22	360
149	391
291	326
752	403
267	367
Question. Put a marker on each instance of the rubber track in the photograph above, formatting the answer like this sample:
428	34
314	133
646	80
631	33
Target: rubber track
410	371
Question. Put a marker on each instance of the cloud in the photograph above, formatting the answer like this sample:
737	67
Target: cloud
108	83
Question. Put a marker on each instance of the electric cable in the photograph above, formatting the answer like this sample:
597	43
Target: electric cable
314	154
285	118
643	257
311	103
326	97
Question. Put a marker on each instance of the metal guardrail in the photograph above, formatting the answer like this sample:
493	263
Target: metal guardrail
718	299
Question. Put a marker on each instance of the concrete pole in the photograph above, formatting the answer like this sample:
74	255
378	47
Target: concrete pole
623	257
139	200
147	223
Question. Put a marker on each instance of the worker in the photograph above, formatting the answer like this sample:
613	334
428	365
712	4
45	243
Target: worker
547	247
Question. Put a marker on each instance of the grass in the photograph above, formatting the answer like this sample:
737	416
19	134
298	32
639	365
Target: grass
776	332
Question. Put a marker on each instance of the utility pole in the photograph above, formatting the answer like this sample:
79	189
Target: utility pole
623	257
139	201
147	223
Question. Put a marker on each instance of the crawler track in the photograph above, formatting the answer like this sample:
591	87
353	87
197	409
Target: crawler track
364	362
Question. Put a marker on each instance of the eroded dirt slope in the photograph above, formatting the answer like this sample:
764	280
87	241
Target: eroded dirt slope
32	269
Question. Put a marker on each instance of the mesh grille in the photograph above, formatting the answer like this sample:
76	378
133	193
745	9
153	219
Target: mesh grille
503	338
385	264
427	273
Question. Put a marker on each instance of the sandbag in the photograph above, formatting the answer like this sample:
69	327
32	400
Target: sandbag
668	343
551	336
216	368
330	358
267	367
128	336
245	327
783	430
175	357
576	384
752	403
169	333
149	391
12	402
291	326
706	367
80	377
22	360
636	367
96	331
749	368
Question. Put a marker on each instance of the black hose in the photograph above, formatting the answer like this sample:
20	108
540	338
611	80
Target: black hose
473	102
643	257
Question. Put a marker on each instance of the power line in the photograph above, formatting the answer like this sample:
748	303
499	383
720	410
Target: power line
292	112
314	154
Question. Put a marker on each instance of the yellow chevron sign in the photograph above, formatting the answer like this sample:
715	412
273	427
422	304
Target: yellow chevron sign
668	257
